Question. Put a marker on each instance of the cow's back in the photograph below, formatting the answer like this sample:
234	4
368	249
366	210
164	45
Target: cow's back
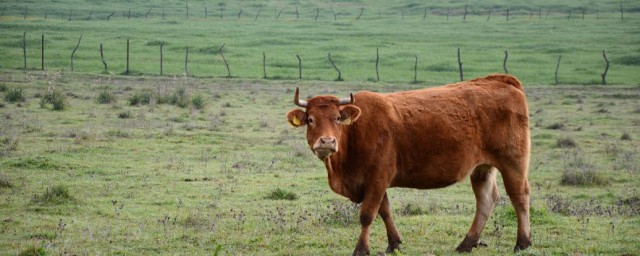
436	132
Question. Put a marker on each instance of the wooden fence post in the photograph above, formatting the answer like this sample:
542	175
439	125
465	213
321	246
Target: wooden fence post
448	10
74	51
24	49
258	14
225	61
206	14
26	11
126	71
361	11
504	62
264	66
297	14
336	68
377	62
415	69
621	12
606	69
186	62
240	13
42	54
111	14
507	14
317	13
186	6
161	57
335	16
460	66
464	17
489	16
147	14
280	12
102	59
558	67
424	17
299	67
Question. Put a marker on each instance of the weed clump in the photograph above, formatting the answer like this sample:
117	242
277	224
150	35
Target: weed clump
180	98
198	101
105	97
281	194
55	195
625	136
140	98
55	98
555	126
565	142
5	182
124	114
15	95
578	171
34	250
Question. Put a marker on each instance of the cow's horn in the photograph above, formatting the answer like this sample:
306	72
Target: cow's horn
297	101
350	100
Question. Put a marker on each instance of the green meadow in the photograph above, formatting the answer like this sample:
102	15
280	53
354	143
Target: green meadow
108	163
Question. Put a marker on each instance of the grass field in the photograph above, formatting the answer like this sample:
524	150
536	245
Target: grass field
234	178
100	163
535	35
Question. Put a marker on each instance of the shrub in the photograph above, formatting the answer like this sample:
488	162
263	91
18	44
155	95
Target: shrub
625	136
198	101
124	114
5	182
106	97
582	177
55	98
565	142
140	98
180	98
280	194
55	195
33	250
555	126
3	87
15	95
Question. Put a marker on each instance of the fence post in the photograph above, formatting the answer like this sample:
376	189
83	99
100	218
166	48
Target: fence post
186	62
558	67
621	12
264	66
335	16
377	62
102	59
258	14
24	49
299	67
507	14
424	17
460	66
504	62
42	54
489	16
464	17
336	68
186	6
415	69
360	15
317	13
225	61
161	57
240	13
126	71
74	51
606	69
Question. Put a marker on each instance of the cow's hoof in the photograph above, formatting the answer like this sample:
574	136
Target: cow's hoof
360	253
521	245
468	244
393	247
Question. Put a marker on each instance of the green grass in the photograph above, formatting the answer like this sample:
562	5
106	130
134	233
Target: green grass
534	42
171	180
189	166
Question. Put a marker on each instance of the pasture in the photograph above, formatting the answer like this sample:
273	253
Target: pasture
104	163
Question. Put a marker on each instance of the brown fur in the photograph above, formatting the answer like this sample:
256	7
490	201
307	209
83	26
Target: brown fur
424	139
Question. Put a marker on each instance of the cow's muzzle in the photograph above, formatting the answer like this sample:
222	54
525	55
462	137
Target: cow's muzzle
325	146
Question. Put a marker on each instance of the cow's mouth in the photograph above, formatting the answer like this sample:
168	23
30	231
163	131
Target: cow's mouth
323	153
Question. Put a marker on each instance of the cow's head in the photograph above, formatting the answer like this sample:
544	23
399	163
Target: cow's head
323	117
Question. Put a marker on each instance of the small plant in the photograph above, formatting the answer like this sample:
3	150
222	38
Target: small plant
106	97
198	101
5	182
55	98
3	87
555	126
411	210
15	95
565	142
34	250
125	114
55	195
578	171
179	98
140	98
625	136
280	194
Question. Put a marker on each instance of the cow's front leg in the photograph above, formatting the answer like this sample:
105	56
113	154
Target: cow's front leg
368	211
392	232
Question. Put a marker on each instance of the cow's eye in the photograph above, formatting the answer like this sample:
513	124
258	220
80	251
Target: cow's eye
338	119
310	120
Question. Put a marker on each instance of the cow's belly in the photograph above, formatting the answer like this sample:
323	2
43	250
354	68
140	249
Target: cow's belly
430	177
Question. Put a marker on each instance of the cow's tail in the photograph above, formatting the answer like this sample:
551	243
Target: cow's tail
507	79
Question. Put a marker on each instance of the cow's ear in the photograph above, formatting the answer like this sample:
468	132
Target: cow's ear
349	114
297	117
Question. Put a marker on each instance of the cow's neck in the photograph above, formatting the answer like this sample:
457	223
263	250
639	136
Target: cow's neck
337	171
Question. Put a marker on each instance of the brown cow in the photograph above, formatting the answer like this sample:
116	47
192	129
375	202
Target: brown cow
424	139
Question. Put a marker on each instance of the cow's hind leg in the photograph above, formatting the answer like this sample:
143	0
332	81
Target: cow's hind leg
483	182
517	187
392	232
